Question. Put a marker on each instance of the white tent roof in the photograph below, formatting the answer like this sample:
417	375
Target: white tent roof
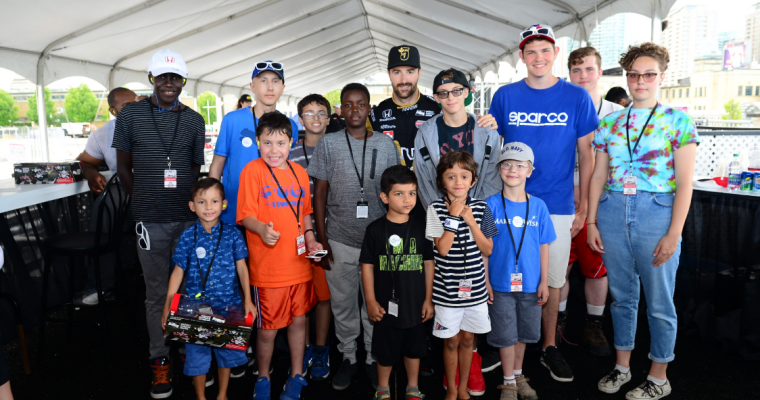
322	43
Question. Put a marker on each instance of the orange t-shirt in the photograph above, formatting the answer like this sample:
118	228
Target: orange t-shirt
259	196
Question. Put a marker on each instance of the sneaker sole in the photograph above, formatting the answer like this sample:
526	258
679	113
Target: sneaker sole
211	382
341	387
613	390
655	398
491	368
161	395
240	375
555	377
319	378
474	393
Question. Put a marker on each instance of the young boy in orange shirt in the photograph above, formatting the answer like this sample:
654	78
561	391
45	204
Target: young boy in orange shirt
274	205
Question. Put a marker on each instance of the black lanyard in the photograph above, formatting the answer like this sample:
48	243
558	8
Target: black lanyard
174	137
459	239
525	225
641	134
204	279
599	110
364	152
395	256
297	211
303	147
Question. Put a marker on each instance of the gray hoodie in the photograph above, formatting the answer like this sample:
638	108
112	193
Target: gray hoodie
487	147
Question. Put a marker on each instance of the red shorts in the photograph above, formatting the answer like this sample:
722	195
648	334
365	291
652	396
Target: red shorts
278	306
320	284
589	261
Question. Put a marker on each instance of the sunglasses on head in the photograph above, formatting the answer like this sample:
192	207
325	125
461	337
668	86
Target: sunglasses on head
269	65
540	31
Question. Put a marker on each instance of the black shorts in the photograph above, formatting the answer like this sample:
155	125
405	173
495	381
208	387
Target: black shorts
5	373
390	345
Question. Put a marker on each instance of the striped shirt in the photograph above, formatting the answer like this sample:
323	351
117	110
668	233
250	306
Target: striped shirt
459	264
302	154
136	133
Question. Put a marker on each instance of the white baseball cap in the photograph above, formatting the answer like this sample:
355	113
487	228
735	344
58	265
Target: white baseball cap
167	61
516	151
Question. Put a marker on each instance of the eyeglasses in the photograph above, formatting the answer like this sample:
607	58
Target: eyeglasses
444	94
269	65
505	166
144	240
634	76
174	78
310	116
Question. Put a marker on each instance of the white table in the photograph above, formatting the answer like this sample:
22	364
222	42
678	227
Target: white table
13	196
711	186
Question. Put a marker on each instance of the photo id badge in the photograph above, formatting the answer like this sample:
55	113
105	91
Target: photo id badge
205	309
170	178
629	185
465	288
393	307
517	282
362	209
301	245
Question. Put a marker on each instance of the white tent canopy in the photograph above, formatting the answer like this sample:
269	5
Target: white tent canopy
322	43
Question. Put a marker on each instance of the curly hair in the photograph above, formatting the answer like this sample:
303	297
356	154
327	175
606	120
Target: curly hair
648	49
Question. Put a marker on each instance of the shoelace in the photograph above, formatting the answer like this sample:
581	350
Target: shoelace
562	337
555	356
318	360
596	330
161	374
613	376
651	388
263	390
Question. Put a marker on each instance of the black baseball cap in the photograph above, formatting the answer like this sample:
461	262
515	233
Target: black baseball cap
244	98
459	78
404	55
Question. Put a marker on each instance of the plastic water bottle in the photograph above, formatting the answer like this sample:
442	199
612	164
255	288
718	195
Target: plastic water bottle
734	174
754	159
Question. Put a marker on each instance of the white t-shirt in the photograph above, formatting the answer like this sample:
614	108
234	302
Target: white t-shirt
99	145
607	107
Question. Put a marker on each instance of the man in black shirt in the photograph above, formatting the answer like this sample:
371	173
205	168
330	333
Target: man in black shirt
336	120
159	152
400	115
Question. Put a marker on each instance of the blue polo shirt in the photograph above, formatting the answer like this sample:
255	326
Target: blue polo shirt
237	142
193	254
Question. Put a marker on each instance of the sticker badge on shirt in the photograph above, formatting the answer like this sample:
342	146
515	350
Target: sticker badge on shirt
517	282
393	307
629	185
170	178
200	252
362	209
465	288
394	240
247	142
301	245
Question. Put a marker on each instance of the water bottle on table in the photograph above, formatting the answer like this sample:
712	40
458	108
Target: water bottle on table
734	174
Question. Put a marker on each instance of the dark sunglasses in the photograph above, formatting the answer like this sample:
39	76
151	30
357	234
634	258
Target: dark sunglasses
274	65
444	94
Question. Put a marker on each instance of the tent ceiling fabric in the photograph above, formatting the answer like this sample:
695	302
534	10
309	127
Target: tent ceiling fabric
322	43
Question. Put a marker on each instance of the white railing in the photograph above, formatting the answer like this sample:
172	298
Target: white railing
724	123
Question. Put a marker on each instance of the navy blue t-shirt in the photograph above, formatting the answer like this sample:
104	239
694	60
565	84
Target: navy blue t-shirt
550	121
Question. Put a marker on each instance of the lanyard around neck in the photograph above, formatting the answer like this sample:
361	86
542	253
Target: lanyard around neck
204	279
388	251
641	134
525	225
353	162
297	211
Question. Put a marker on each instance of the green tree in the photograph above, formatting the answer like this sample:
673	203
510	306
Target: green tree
8	110
207	99
732	110
333	97
81	104
31	113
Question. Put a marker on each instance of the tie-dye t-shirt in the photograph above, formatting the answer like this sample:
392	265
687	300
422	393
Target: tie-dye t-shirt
668	130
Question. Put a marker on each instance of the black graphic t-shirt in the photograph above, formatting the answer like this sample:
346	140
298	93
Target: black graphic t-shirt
456	138
405	267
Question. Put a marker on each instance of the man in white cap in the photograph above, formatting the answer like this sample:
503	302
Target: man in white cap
552	117
159	146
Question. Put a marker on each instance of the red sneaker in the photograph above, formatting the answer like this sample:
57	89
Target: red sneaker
476	385
445	384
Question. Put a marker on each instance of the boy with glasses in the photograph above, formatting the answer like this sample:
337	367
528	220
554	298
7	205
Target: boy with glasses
552	117
159	152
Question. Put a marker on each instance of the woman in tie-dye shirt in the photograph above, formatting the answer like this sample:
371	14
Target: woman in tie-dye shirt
639	196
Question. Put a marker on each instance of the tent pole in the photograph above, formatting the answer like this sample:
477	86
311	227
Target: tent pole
41	110
656	22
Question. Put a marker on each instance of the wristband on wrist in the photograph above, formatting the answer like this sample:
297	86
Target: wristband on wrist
451	225
312	231
590	223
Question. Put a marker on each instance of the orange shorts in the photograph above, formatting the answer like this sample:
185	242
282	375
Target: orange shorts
589	261
320	284
278	306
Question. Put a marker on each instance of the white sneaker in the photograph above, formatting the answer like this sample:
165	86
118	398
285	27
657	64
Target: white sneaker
613	381
90	299
648	391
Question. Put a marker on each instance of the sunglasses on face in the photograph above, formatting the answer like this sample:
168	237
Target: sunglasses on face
634	76
269	65
444	94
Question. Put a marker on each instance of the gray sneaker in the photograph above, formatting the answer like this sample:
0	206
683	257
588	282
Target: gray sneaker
508	392
649	391
524	391
613	381
342	379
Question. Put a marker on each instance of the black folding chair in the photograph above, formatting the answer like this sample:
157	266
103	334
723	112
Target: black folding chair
112	213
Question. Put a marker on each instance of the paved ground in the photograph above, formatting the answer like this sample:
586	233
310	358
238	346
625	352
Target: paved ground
78	369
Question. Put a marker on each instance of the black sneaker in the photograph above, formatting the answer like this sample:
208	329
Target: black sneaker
161	386
426	365
558	368
239	371
372	373
342	379
209	379
491	361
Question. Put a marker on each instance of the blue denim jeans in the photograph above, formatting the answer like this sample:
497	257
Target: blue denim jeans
631	227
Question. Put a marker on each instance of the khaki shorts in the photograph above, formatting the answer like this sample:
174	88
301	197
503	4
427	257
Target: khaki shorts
559	250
